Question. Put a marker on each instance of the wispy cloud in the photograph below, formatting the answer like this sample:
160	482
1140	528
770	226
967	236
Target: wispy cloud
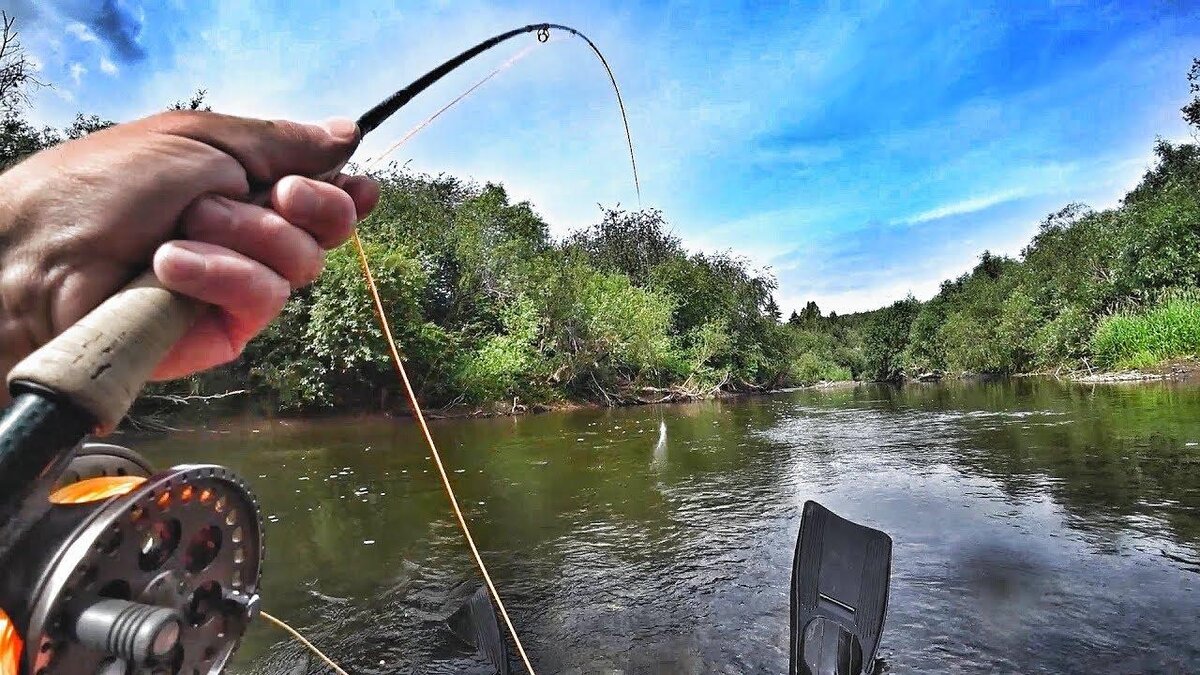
77	70
108	67
81	32
971	205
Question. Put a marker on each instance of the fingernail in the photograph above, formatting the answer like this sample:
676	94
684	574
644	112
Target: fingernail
341	128
182	264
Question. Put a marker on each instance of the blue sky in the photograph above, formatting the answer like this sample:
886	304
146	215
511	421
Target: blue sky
860	151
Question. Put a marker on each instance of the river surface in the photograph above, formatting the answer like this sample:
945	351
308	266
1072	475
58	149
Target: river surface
1039	527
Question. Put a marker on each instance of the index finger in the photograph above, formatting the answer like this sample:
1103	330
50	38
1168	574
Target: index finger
267	149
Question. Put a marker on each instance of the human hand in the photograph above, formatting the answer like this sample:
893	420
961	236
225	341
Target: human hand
81	219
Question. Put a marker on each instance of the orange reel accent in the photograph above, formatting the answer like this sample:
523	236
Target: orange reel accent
92	490
10	646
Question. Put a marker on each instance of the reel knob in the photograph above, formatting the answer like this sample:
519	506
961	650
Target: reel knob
136	633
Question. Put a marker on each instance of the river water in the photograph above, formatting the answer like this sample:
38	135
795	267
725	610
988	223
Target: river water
1039	527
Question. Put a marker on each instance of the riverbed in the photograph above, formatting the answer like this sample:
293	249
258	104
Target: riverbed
1038	527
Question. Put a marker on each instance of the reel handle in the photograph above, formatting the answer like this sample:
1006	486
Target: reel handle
101	363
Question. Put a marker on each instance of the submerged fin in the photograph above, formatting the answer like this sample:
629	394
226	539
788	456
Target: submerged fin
840	579
475	624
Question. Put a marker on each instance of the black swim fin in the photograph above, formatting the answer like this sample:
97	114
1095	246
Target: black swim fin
475	623
840	579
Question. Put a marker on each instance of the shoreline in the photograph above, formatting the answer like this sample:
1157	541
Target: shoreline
496	408
187	418
1179	370
1170	370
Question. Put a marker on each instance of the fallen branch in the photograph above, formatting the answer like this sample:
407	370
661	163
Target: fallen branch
184	400
607	398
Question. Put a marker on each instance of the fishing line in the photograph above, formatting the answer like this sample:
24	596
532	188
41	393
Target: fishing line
301	639
370	121
429	120
415	406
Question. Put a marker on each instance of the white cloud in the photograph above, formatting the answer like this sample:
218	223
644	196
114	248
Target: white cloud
81	32
964	207
77	71
108	67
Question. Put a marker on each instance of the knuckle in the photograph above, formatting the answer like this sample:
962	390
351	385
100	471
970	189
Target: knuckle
177	121
211	217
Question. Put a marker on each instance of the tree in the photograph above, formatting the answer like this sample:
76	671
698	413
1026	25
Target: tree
811	314
885	338
18	137
772	310
630	242
196	102
16	69
84	125
1191	111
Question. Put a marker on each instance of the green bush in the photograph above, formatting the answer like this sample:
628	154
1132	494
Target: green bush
885	339
1168	331
1064	340
503	363
809	368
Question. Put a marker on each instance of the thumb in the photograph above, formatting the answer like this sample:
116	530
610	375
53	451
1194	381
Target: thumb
267	149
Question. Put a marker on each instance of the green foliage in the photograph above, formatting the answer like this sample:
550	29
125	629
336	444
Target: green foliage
885	339
808	317
486	307
633	244
502	363
703	354
1191	111
605	327
1139	340
809	368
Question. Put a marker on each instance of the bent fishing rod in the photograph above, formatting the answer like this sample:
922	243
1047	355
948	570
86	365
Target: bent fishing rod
106	565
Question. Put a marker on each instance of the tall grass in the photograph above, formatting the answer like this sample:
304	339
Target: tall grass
1169	330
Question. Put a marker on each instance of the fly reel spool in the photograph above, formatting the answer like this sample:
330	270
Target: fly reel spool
135	572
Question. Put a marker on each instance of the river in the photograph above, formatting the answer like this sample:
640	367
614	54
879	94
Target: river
1039	527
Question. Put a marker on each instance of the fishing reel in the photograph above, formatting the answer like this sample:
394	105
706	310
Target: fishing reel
132	571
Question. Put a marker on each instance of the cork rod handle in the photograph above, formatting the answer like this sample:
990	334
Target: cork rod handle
102	362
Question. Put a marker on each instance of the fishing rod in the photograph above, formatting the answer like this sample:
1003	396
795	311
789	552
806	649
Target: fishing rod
108	565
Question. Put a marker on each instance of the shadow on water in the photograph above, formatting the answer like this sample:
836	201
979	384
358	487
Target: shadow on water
1038	527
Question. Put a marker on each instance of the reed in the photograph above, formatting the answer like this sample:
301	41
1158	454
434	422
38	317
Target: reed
1145	339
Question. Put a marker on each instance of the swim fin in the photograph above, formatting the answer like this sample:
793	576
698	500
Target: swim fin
840	579
475	623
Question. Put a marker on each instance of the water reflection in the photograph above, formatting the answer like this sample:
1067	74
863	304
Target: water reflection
1038	527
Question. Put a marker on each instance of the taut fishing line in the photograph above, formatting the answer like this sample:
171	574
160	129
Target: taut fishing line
429	120
369	122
